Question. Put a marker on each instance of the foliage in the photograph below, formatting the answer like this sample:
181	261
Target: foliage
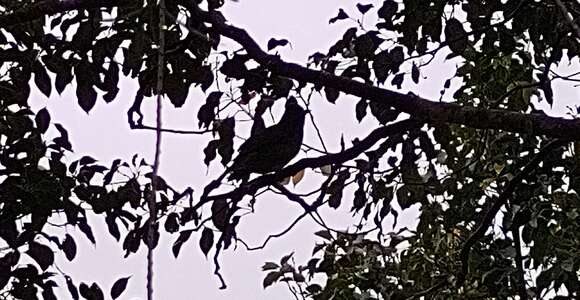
495	178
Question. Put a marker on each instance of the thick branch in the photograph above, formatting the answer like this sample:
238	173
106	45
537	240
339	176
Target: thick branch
430	111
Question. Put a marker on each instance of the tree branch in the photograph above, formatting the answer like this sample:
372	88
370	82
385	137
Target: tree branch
499	202
310	163
432	112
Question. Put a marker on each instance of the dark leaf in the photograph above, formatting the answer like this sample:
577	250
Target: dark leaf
341	16
455	36
87	160
176	89
63	78
206	240
271	278
285	259
183	237
72	289
364	8
112	226
388	10
119	287
86	229
270	266
109	176
219	214
87	97
381	65
325	234
42	120
273	43
172	223
415	73
331	94
361	109
398	80
226	142
42	254
93	292
41	78
206	113
210	151
69	247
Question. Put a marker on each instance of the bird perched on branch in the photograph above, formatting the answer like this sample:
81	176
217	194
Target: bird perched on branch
271	148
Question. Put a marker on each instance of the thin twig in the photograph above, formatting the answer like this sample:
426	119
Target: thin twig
152	199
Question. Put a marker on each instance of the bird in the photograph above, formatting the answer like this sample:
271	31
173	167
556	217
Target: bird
271	148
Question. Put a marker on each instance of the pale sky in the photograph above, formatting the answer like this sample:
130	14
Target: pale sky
105	135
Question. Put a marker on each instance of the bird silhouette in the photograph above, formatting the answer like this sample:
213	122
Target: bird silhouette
270	149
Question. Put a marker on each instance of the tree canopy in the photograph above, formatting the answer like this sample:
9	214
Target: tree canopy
492	168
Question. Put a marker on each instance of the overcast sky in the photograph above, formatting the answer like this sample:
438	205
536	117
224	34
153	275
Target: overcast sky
105	135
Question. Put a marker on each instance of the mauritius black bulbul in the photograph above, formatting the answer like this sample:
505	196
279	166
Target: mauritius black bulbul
271	148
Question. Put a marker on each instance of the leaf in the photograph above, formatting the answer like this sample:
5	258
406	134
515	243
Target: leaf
119	287
381	65
398	80
210	151
341	16
42	120
363	8
69	247
86	229
298	177
271	278
226	142
87	97
219	214
176	89
87	160
270	266
361	109
172	222
41	78
72	289
93	292
273	43
325	234
183	237
42	254
331	94
388	10
455	36
63	79
415	73
314	289
285	259
206	240
112	226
